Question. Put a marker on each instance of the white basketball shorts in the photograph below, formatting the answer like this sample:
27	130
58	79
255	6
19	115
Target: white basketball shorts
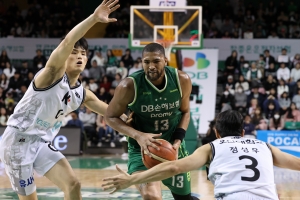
22	154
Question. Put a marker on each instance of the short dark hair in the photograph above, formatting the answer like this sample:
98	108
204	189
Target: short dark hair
154	47
82	42
229	123
267	51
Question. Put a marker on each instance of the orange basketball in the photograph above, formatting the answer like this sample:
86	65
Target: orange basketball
165	153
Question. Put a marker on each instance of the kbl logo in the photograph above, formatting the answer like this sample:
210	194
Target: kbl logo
202	62
167	3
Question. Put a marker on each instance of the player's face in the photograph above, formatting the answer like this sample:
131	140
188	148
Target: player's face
154	65
77	60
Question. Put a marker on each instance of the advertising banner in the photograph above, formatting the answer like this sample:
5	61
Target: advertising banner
67	141
287	141
202	67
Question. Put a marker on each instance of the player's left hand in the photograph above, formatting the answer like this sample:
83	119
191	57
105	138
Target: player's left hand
118	182
176	146
104	9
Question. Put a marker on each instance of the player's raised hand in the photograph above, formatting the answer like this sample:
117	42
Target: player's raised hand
104	9
118	182
148	139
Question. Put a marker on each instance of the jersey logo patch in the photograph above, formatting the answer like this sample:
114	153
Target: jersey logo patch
77	95
59	113
66	98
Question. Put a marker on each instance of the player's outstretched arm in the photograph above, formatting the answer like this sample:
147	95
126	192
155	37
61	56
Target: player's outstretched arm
160	172
97	106
124	95
284	160
55	67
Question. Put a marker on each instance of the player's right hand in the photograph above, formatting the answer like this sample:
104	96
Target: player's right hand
102	12
147	139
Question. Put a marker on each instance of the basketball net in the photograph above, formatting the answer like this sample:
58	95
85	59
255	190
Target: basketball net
168	45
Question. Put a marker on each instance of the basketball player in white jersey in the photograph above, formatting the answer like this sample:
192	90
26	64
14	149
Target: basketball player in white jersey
54	92
240	168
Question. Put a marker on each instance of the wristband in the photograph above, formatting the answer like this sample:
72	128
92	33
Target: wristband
179	134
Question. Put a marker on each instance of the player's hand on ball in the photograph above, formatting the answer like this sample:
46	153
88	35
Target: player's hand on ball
118	182
147	139
104	9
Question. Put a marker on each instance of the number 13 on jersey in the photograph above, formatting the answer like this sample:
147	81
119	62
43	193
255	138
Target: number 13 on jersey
161	125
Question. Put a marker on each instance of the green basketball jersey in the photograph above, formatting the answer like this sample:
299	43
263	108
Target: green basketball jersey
156	111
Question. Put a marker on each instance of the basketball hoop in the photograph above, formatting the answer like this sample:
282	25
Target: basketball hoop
168	45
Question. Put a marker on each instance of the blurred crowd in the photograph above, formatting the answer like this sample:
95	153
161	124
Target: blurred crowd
265	91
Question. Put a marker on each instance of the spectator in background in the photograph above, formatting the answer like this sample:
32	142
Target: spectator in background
122	70
39	61
292	114
29	79
9	71
270	108
256	95
283	58
271	71
111	62
21	93
2	97
135	68
75	122
93	86
15	82
283	72
3	116
229	85
24	70
244	68
4	81
269	83
258	120
231	64
105	83
95	71
249	127
105	132
253	105
261	64
282	87
295	75
296	60
118	79
253	75
4	59
226	99
243	83
100	60
240	99
276	122
9	100
102	95
273	35
284	102
89	121
296	99
268	59
127	59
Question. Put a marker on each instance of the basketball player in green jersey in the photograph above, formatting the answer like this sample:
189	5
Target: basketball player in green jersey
159	97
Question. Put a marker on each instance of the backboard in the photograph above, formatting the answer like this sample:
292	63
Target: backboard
181	27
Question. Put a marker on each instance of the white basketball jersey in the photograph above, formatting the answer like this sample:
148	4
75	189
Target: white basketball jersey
242	164
41	111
